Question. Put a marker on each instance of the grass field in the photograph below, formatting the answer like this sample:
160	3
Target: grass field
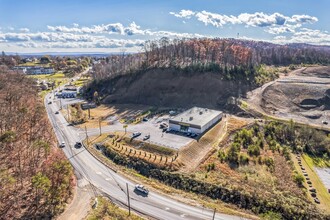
322	193
58	75
59	79
34	64
80	82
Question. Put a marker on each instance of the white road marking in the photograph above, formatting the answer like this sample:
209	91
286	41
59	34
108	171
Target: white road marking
107	179
183	215
99	173
167	208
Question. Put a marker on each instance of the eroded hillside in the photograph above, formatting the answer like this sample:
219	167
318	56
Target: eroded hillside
172	88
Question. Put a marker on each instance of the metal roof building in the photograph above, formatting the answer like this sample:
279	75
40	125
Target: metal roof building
195	120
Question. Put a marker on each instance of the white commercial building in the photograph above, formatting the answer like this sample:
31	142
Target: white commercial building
195	120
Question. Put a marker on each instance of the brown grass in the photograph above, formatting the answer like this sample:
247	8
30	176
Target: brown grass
102	112
193	154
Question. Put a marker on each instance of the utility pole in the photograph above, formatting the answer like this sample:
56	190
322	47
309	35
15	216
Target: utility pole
86	135
214	213
60	103
125	126
100	126
67	109
129	205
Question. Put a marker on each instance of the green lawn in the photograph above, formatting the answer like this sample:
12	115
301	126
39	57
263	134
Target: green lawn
34	64
59	78
58	75
80	82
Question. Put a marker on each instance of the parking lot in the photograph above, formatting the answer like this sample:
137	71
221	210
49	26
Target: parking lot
157	136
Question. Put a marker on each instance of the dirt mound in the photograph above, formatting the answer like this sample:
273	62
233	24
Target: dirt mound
173	88
320	71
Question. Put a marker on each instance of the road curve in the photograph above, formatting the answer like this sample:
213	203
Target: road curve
92	171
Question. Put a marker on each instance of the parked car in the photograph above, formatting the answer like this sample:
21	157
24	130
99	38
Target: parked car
49	103
325	122
317	200
313	190
146	137
78	145
56	112
136	134
142	189
193	135
62	144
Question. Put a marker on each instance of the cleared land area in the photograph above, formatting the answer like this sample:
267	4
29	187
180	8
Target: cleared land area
303	95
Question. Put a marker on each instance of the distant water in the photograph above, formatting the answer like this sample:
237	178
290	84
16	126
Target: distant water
324	174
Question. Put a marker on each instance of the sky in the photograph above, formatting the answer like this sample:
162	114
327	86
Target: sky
124	25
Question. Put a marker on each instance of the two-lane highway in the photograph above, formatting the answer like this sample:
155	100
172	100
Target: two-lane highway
154	205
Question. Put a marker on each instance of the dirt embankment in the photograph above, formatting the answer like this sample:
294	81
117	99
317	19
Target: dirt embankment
172	88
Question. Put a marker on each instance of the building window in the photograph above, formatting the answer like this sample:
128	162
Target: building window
184	128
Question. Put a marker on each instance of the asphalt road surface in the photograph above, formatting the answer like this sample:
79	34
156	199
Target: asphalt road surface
113	184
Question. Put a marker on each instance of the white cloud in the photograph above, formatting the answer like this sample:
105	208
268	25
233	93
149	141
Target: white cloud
133	29
183	14
100	43
257	19
305	35
260	19
303	19
95	29
216	20
118	28
24	29
282	29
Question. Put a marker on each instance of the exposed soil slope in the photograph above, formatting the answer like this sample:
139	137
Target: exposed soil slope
171	88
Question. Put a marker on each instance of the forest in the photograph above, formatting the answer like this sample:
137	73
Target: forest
210	55
36	179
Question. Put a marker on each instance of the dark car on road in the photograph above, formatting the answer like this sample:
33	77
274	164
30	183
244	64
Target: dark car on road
78	145
146	137
141	189
136	134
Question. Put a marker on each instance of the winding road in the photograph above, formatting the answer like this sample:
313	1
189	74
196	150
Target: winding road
90	170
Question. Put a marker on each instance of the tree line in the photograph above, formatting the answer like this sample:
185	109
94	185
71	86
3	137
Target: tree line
35	177
215	53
